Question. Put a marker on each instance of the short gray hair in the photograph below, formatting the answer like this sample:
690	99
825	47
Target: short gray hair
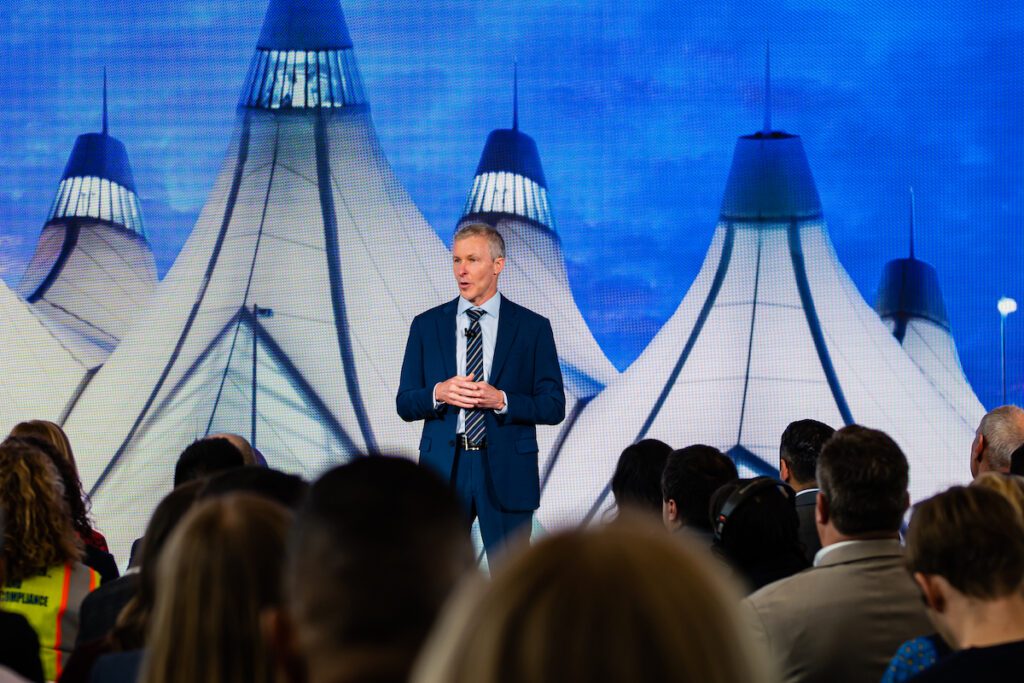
1003	431
494	238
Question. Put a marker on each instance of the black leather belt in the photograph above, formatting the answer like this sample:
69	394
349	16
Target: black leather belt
462	442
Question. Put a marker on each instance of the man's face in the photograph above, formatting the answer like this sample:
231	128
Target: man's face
476	273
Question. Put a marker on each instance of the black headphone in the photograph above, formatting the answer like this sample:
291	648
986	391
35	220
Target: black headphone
742	495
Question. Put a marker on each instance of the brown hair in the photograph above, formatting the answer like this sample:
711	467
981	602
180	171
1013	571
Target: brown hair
972	537
49	432
623	602
130	629
863	475
38	533
221	567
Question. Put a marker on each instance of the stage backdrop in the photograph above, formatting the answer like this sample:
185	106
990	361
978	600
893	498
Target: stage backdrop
266	194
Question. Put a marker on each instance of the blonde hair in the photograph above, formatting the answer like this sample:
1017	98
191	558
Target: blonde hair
221	567
1009	486
623	602
38	532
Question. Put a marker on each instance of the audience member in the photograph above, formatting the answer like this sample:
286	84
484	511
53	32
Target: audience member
1000	433
200	459
287	489
691	475
71	488
918	654
620	602
250	455
221	568
19	645
204	457
115	616
965	550
52	434
798	457
636	483
756	530
377	547
842	619
44	579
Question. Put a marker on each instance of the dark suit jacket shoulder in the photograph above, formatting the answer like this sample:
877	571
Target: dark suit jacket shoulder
842	620
808	529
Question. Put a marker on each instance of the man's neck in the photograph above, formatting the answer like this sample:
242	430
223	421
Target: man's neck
983	623
830	536
799	486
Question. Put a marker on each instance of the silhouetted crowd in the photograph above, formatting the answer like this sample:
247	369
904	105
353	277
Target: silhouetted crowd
369	575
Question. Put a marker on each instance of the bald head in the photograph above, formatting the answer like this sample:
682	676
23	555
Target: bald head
1000	433
249	454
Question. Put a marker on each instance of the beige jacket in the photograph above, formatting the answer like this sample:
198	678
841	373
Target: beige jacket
842	621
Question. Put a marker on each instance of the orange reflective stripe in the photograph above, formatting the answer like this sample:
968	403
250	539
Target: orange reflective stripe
60	618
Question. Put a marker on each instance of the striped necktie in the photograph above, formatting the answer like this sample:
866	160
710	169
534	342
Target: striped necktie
476	430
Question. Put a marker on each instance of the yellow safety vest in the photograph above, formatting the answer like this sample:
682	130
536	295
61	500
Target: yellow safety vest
50	602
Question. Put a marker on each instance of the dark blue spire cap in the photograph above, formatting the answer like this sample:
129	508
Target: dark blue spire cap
304	25
910	289
770	179
101	156
513	152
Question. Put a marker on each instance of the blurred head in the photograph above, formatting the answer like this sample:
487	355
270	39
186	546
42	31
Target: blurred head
287	489
798	452
205	457
1009	486
478	257
1000	433
755	523
691	475
38	533
130	630
221	568
377	548
965	547
637	480
863	478
250	456
620	602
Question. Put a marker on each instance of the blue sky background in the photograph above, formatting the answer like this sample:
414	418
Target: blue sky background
635	107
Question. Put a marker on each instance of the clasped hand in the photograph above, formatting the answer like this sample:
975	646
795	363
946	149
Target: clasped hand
461	391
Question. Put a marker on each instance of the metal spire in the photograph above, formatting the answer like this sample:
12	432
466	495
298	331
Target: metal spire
767	87
104	100
515	94
912	212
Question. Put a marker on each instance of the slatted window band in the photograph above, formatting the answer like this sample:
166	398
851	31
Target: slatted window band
299	79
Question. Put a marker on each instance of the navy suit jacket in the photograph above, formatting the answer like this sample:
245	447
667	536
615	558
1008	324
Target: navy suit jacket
525	367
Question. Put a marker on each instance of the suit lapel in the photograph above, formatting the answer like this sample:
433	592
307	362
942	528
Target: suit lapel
507	330
446	336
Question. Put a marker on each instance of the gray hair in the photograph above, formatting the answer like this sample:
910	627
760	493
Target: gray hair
494	238
1003	431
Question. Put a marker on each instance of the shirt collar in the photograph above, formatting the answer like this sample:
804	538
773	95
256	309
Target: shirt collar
492	305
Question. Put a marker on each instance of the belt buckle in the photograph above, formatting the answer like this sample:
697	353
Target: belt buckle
465	445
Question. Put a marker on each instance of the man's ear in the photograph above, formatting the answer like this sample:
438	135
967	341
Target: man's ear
977	454
784	472
670	512
931	591
821	511
279	635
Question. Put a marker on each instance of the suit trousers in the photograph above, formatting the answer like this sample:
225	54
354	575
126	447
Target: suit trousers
473	485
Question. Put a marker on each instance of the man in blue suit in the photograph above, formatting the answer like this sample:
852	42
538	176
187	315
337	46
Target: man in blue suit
482	372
